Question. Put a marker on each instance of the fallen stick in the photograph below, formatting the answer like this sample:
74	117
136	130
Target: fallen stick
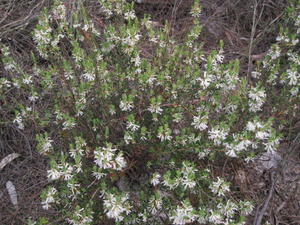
8	159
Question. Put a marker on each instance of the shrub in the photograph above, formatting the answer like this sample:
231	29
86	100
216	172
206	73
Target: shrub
129	130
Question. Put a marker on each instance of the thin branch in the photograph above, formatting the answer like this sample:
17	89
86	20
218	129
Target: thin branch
253	30
260	213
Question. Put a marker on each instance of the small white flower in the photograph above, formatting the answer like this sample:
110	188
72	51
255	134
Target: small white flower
206	80
66	171
155	204
19	121
164	136
106	158
215	217
129	15
200	123
126	105
251	126
132	126
27	80
128	138
47	145
98	175
219	187
203	153
49	198
120	161
68	124
116	206
155	180
228	209
33	98
246	208
257	98
255	74
217	135
155	108
89	76
262	135
183	214
54	174
220	57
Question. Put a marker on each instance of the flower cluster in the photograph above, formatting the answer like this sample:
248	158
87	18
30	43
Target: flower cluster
116	205
106	158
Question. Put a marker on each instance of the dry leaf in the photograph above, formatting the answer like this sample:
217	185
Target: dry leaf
12	193
8	159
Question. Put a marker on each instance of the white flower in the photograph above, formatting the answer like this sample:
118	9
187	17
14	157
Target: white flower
272	145
217	135
255	74
151	79
200	123
188	175
155	108
246	207
262	135
59	12
206	80
116	206
33	98
155	204
54	174
203	154
233	148
215	217
120	161
74	188
184	214
228	209
155	179
256	99
219	57
66	171
251	126
27	80
49	198
131	126
106	158
219	187
47	145
68	124
136	60
89	76
164	136
126	105
98	175
80	217
19	121
127	138
129	15
293	77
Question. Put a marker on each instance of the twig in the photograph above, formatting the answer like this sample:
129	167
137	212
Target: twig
253	30
19	24
260	213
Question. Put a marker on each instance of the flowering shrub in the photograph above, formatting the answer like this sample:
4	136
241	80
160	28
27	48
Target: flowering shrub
127	131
